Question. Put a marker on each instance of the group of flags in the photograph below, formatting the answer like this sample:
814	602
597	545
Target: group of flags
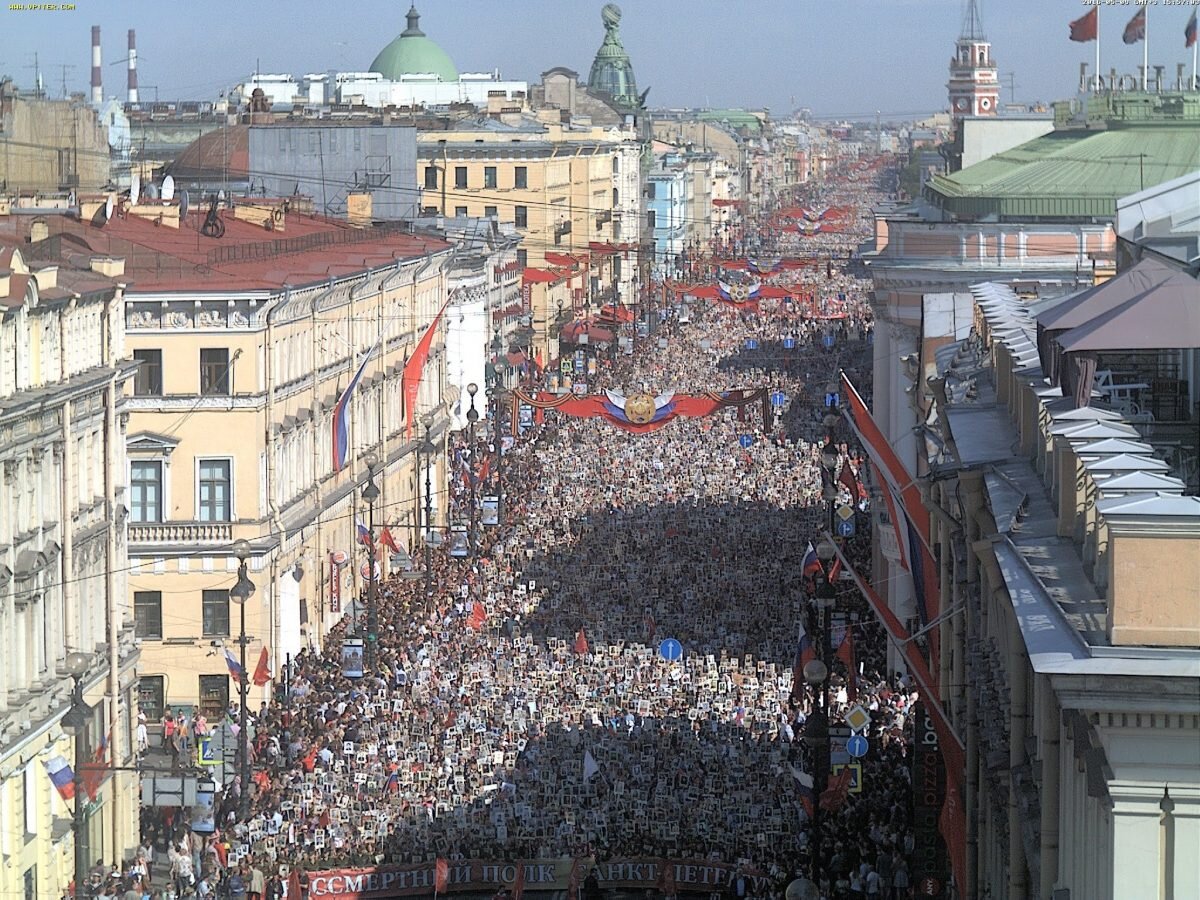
837	789
410	382
1087	28
367	539
262	671
62	776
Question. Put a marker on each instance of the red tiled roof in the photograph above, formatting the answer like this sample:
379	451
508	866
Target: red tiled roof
17	284
159	258
543	276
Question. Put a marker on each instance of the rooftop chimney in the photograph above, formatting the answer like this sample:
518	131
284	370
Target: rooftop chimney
97	89
133	93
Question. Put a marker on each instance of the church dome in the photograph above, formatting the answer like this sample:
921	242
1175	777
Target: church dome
612	72
412	53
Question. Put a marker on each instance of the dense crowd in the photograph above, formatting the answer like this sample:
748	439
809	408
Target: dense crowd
523	709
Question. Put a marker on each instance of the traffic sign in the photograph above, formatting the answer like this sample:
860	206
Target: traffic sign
858	718
751	344
857	746
789	343
844	512
670	650
832	399
778	398
206	754
827	340
845	529
746	440
856	775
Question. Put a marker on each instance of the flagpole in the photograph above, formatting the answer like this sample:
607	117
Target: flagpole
1145	48
1099	83
1195	46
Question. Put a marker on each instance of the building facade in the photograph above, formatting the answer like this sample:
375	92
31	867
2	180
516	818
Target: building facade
974	85
50	145
63	377
669	201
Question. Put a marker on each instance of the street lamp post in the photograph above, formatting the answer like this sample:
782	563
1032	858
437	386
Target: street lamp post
428	449
472	418
816	673
371	494
240	594
76	722
499	403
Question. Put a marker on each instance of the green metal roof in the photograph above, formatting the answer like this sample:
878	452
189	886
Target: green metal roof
412	53
1075	173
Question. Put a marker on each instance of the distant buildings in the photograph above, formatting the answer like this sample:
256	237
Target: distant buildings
48	145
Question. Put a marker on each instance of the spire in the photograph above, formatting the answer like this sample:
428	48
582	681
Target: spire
972	29
413	29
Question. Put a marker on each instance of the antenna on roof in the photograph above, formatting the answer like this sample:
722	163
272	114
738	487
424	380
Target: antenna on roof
135	189
168	188
183	205
108	211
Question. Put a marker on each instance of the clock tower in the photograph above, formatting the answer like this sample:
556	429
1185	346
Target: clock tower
974	83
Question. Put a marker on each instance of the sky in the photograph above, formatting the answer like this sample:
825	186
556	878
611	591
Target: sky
840	58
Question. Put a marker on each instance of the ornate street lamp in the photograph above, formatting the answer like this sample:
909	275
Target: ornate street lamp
76	722
240	594
472	418
370	494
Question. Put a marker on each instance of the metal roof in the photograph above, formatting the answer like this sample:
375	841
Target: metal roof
1071	174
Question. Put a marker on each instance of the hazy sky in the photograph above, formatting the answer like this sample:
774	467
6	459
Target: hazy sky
839	57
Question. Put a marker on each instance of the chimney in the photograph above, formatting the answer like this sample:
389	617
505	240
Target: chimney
97	89
133	94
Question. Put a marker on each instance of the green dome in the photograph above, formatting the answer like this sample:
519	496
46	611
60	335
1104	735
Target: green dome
612	72
413	54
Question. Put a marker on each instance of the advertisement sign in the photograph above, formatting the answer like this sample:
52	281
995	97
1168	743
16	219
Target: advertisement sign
336	560
204	811
481	876
490	510
352	657
930	863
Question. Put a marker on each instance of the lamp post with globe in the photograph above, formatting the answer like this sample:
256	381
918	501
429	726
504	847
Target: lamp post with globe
76	722
240	594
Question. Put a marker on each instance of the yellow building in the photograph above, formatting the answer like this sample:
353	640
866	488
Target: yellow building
571	191
245	346
62	560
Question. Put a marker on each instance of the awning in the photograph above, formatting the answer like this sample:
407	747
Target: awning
1165	316
573	330
615	313
542	276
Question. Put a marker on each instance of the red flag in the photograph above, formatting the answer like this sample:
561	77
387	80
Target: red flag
845	652
388	541
835	570
262	672
847	479
478	616
310	760
519	883
666	878
1135	30
837	790
441	876
410	379
581	644
1086	27
1189	31
92	773
573	880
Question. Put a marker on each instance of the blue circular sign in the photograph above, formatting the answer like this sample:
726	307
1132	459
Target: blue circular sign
746	440
670	650
856	746
778	398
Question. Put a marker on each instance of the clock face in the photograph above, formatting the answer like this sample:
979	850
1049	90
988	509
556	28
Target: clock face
961	103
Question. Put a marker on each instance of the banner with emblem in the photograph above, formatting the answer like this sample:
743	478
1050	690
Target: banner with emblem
642	412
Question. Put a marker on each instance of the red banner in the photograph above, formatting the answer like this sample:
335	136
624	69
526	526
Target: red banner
410	380
642	413
539	875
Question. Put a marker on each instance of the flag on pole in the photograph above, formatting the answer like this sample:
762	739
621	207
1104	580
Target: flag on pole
61	776
805	653
235	668
388	541
590	767
414	369
581	642
811	567
441	876
1189	31
804	786
518	890
262	672
837	791
478	616
666	878
341	434
845	652
847	479
1086	28
364	533
1135	29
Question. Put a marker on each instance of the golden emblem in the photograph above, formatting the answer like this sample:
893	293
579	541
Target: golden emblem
640	408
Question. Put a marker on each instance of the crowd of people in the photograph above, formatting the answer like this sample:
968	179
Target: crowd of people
527	708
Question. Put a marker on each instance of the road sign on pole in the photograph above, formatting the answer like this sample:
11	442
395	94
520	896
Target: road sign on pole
670	650
857	746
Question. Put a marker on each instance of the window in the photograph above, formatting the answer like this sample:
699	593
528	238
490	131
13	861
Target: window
522	257
616	268
489	212
460	211
215	614
489	176
520	177
616	198
431	174
152	696
521	217
214	371
616	164
145	491
650	219
650	190
429	210
460	176
214	696
31	883
148	380
147	615
213	502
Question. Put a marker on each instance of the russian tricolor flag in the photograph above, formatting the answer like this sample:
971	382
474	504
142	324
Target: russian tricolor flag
340	442
805	653
364	534
811	565
61	775
235	668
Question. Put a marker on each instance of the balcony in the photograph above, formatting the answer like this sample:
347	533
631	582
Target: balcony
181	533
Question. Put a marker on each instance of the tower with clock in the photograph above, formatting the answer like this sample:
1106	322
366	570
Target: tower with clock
974	83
